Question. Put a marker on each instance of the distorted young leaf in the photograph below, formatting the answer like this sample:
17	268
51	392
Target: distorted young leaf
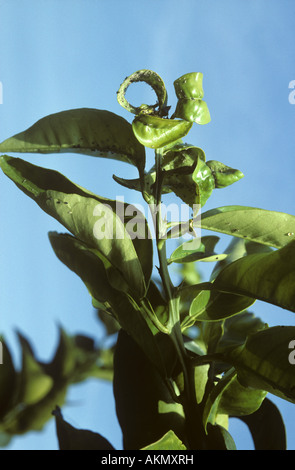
70	438
189	91
156	132
197	250
275	229
265	276
89	217
263	362
168	442
267	427
87	131
189	86
223	174
192	110
153	80
187	175
181	155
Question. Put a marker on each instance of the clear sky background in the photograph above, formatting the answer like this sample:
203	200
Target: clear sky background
64	54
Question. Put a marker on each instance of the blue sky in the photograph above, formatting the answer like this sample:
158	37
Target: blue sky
60	55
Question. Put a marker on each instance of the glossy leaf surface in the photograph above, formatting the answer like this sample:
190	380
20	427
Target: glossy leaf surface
209	305
223	174
270	228
189	86
89	217
237	400
193	111
267	276
168	442
155	132
262	362
197	250
88	131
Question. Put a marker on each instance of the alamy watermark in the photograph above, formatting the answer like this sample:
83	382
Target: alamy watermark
292	93
292	353
178	220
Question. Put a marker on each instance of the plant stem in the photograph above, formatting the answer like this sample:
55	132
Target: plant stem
195	430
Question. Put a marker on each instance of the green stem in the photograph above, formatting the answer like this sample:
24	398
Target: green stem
152	316
195	431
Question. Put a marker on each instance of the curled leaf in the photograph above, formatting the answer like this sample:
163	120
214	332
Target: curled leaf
152	79
223	174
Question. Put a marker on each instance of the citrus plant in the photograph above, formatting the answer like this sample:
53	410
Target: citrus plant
189	355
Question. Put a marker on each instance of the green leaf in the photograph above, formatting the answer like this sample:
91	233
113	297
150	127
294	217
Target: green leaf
94	132
168	442
156	132
189	86
150	78
210	410
224	175
190	106
178	163
197	250
145	407
263	362
267	427
270	228
237	400
267	276
84	261
192	111
187	175
70	438
211	305
92	219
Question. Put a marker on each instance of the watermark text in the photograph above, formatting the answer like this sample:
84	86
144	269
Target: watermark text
131	220
292	93
292	353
